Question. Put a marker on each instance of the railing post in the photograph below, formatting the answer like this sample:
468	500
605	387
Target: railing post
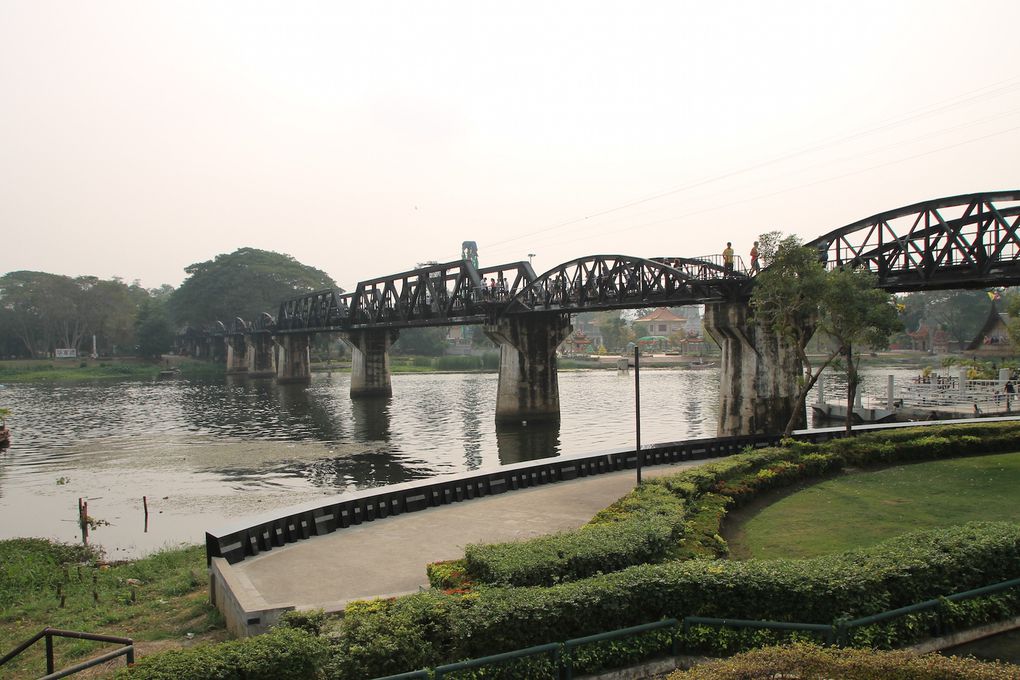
131	656
842	633
49	653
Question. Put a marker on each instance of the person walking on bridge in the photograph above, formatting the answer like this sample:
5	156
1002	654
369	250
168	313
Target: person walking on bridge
727	258
755	266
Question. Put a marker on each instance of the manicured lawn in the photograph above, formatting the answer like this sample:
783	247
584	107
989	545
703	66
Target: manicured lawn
862	508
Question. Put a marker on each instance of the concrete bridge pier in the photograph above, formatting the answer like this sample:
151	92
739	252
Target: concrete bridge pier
260	355
528	385
237	353
370	361
293	358
759	373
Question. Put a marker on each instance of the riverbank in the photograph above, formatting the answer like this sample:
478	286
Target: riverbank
160	601
80	369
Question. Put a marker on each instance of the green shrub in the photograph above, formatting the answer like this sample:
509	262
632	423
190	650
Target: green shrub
309	620
805	660
431	628
593	549
282	653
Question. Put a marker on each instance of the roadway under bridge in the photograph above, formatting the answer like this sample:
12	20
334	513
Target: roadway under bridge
967	241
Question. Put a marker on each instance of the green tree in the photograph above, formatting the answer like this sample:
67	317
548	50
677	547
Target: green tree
960	313
152	329
615	333
242	284
794	296
854	313
421	341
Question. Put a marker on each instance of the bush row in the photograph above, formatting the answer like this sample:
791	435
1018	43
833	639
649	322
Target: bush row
427	629
654	522
285	652
810	661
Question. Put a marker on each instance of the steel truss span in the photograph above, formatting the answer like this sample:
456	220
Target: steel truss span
599	282
967	241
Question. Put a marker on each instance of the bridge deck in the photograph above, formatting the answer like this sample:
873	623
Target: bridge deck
388	557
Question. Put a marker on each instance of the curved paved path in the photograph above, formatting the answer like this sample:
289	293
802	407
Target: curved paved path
387	557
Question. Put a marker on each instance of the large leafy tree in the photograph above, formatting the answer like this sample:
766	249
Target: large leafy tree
855	313
960	313
243	284
795	296
152	328
42	312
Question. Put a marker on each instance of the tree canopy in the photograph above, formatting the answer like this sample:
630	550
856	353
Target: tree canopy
795	296
40	312
243	284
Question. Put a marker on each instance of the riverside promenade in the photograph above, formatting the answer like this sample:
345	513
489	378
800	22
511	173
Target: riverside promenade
387	557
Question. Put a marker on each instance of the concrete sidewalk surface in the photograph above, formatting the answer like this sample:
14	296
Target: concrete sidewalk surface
387	557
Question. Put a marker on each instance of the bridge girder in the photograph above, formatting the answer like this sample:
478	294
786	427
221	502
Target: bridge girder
967	241
603	282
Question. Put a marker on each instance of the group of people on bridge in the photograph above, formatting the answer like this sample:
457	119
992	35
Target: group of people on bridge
727	256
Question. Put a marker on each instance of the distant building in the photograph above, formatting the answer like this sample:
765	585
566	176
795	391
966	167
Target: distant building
663	322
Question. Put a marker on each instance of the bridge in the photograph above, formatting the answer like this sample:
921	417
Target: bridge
967	241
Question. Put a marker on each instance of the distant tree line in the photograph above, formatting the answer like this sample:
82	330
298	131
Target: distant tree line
42	312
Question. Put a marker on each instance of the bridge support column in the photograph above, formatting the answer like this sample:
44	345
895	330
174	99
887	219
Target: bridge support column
528	385
237	354
293	358
759	374
217	349
370	361
260	355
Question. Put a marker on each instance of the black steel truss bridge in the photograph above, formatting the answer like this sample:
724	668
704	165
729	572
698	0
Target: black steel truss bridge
967	241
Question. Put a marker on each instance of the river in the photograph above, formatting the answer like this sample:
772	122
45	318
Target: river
204	453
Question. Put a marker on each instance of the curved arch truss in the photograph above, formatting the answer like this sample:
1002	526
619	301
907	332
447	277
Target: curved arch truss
622	282
968	241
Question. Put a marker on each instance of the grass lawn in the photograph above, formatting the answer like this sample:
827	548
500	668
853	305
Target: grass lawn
859	509
166	600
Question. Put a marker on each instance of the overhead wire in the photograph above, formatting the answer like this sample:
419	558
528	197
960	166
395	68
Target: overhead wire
993	90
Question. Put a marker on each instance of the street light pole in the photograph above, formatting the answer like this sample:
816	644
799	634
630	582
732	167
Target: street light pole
637	408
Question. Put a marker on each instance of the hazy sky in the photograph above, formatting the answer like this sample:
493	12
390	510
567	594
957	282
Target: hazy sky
139	137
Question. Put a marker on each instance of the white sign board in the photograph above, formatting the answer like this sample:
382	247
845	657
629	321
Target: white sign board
67	353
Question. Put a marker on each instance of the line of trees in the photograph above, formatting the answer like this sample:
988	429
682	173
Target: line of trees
42	312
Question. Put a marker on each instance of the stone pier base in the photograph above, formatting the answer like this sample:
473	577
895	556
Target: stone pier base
237	354
759	373
528	385
293	358
370	361
260	355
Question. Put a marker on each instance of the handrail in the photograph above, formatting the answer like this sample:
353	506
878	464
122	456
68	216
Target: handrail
553	647
570	645
50	633
827	629
836	632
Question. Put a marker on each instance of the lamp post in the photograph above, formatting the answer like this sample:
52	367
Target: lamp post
637	408
531	256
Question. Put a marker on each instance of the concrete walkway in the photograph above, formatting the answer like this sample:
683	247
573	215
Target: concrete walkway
387	557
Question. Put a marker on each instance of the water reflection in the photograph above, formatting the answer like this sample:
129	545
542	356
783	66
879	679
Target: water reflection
371	418
517	443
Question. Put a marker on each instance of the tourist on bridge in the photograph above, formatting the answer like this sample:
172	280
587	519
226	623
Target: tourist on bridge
755	267
727	258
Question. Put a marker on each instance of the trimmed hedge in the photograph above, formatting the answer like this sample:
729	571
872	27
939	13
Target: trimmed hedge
810	661
431	628
641	536
283	653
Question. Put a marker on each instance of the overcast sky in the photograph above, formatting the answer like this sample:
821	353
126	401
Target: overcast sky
139	137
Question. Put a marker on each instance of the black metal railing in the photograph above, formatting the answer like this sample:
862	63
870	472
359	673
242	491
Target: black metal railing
127	650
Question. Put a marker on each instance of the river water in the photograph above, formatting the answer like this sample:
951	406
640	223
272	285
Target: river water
205	453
